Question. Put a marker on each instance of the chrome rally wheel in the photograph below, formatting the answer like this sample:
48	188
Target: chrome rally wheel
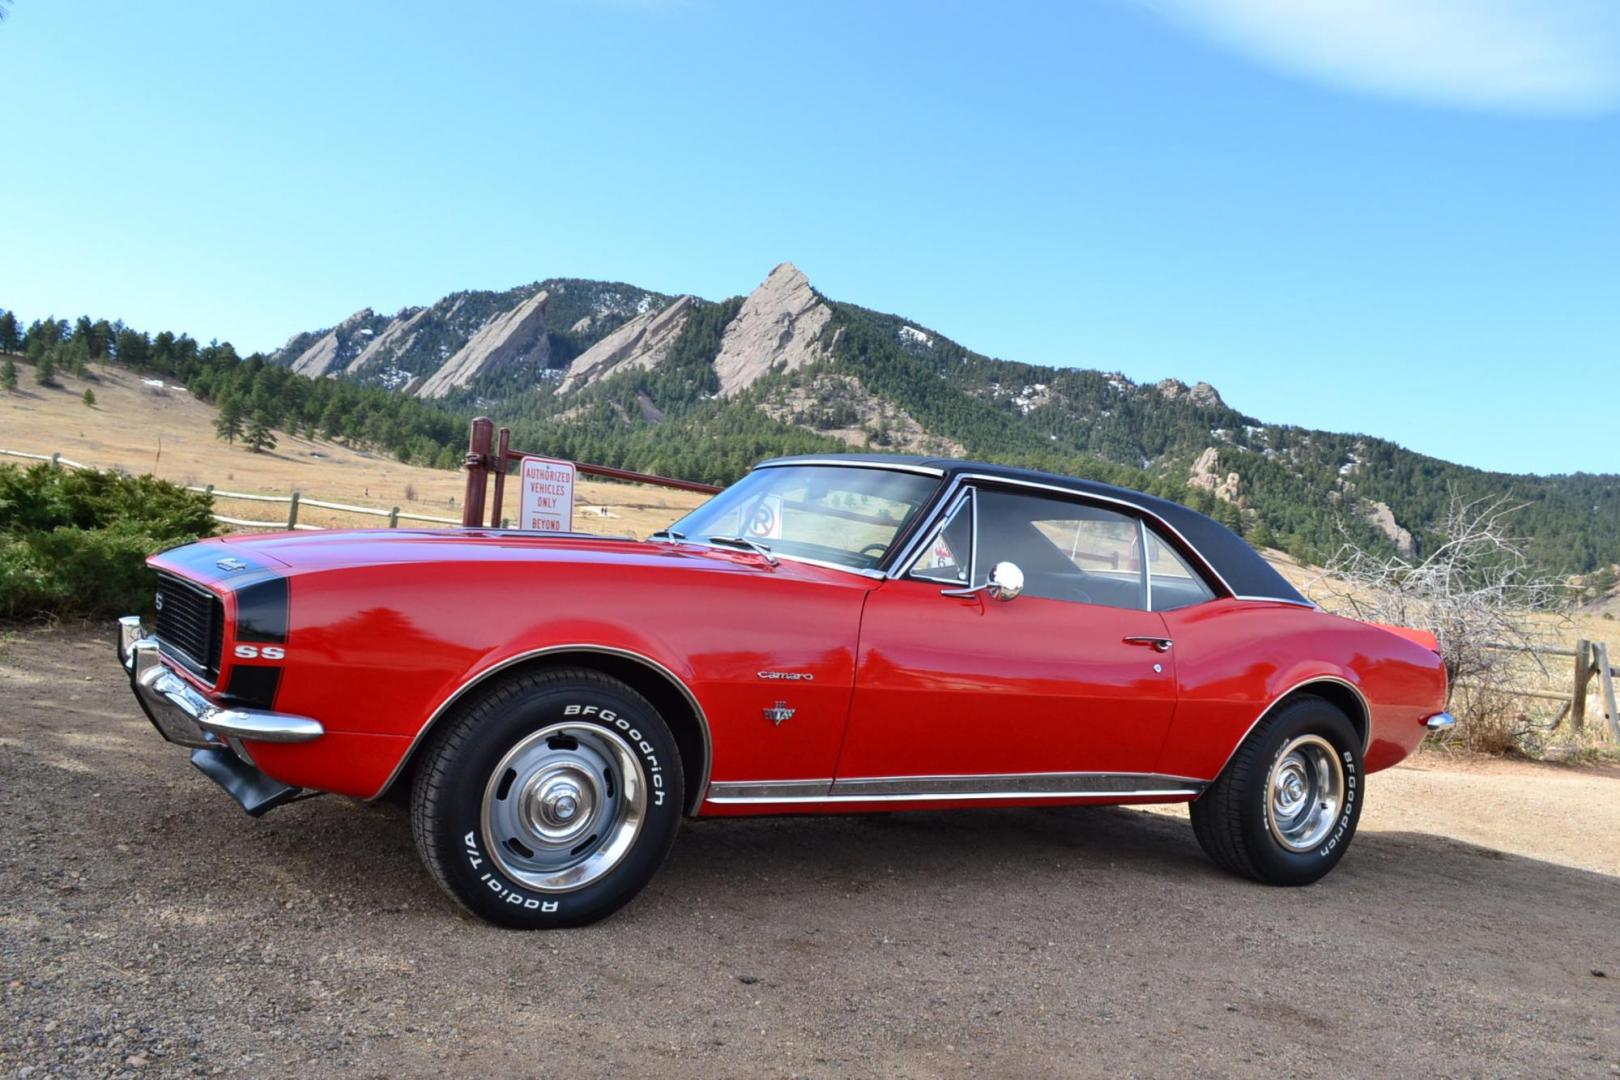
548	800
1285	807
1306	793
563	807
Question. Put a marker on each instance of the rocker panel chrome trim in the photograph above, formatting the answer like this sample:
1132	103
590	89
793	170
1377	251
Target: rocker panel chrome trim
955	788
694	800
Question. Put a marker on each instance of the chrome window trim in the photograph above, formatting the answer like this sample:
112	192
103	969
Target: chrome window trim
938	529
893	466
1086	496
1366	709
694	800
1147	562
909	554
953	788
1277	600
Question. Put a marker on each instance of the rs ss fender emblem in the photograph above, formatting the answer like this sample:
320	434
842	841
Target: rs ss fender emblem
779	713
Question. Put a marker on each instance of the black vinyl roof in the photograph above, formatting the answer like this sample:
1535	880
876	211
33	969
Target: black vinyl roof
1242	569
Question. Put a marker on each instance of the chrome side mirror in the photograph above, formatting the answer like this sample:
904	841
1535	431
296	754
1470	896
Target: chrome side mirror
1006	583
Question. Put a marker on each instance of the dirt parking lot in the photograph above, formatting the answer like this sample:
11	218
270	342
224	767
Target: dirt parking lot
148	926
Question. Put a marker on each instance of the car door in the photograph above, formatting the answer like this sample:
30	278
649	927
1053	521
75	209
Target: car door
1072	676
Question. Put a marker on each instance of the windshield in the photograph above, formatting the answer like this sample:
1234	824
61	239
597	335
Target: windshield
838	514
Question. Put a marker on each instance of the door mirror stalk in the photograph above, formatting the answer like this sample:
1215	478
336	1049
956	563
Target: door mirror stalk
1006	583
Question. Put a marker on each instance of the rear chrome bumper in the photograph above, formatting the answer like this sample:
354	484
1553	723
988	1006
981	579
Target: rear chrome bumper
184	716
1439	721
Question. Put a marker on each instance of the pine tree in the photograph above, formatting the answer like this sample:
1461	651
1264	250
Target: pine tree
228	424
10	339
259	437
8	374
90	397
45	370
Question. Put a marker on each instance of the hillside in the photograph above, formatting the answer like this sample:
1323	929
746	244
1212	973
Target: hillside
612	373
615	374
167	432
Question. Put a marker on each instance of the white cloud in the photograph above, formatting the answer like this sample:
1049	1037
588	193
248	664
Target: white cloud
1526	55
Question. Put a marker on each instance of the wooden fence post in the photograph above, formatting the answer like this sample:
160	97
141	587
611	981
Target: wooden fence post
393	518
292	512
1583	672
479	436
1606	680
56	459
502	445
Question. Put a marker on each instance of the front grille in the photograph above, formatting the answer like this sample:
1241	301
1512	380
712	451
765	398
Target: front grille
190	624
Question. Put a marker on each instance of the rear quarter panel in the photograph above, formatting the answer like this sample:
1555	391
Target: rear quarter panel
1236	658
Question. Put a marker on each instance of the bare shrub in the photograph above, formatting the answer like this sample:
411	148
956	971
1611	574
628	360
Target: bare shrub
410	492
1475	590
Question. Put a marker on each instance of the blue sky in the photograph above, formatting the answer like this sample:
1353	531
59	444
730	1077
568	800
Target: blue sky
1400	217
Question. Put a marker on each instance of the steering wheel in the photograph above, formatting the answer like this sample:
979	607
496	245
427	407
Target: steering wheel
876	554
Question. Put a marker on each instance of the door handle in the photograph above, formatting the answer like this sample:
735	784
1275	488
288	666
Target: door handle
1158	644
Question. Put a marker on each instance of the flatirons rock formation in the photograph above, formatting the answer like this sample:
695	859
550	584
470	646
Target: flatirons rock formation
643	342
516	337
778	329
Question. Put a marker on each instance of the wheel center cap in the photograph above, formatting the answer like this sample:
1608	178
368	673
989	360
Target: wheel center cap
561	805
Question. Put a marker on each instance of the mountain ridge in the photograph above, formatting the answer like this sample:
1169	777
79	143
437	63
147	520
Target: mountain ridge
627	376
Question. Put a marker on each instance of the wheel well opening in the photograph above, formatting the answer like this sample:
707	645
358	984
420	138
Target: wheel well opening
1346	699
660	689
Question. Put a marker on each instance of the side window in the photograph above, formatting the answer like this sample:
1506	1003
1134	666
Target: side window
1067	550
948	557
1174	583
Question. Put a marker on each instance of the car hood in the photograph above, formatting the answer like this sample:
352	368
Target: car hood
347	549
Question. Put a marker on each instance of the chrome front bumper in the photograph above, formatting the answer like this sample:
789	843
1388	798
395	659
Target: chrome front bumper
184	716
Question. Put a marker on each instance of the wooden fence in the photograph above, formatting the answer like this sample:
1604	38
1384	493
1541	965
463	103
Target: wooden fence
292	502
1591	662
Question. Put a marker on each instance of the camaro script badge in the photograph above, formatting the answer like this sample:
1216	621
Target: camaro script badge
786	676
780	713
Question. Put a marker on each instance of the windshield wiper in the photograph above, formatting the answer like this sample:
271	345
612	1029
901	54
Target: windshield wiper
745	544
667	534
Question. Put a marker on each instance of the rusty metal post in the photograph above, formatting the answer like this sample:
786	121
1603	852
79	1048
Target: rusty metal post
502	445
479	436
1583	673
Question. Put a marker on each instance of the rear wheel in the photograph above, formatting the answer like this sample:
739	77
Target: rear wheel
549	801
1285	808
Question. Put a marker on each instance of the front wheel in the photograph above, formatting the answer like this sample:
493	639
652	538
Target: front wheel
1285	808
550	801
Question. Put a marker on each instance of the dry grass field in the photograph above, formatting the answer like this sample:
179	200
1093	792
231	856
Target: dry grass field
170	434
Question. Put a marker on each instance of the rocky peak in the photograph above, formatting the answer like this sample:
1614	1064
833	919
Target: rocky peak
1203	394
513	337
775	330
643	342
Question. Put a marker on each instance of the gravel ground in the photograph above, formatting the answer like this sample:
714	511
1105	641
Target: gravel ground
147	926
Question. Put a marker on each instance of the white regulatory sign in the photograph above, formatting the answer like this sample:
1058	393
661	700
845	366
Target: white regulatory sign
546	495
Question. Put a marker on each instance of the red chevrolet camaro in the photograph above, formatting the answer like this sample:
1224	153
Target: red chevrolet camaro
832	634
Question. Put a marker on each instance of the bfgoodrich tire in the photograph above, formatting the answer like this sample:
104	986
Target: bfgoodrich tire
548	801
1285	808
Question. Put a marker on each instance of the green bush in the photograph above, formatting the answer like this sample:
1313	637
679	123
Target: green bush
75	543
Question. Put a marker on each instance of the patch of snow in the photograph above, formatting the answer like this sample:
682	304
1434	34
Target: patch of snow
911	333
